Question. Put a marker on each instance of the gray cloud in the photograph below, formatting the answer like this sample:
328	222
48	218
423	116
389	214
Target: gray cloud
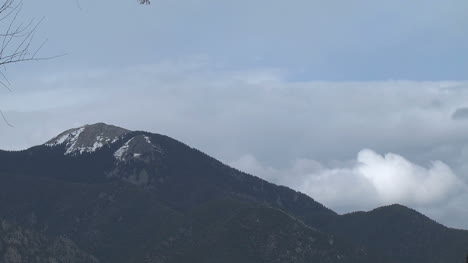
234	108
460	114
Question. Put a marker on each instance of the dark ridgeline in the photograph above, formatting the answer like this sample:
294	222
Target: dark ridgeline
104	194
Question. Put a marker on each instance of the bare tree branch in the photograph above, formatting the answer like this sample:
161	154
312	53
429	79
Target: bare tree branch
16	40
4	119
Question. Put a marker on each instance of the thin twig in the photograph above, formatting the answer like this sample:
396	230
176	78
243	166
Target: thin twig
4	119
17	41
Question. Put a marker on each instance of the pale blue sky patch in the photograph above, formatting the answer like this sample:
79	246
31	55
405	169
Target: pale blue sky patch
314	40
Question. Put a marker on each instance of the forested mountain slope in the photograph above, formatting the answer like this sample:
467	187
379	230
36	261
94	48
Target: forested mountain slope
122	196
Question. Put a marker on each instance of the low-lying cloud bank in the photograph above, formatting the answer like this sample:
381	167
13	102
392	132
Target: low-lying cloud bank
227	113
369	181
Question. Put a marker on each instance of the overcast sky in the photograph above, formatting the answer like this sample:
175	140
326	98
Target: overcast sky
356	103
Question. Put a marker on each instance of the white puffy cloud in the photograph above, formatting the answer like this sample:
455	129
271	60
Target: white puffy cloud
369	181
398	180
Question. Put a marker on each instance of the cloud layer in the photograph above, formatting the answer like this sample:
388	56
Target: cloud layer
293	129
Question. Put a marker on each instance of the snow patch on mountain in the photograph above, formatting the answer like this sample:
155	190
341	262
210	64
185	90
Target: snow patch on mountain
136	148
91	138
122	151
69	139
87	139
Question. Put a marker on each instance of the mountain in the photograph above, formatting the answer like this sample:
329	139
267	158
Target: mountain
397	232
107	194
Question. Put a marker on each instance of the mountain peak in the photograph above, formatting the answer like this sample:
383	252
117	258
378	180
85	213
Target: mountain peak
87	138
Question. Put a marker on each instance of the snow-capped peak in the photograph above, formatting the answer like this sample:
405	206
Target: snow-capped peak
88	138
